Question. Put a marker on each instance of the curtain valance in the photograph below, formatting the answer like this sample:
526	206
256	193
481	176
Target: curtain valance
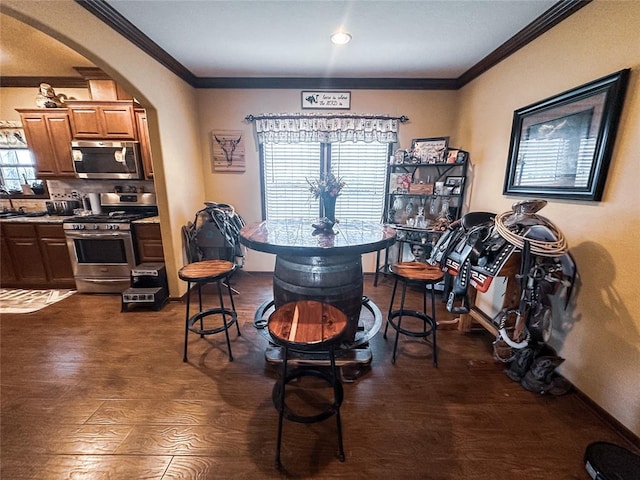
11	135
326	128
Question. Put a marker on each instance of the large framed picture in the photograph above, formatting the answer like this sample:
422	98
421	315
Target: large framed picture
561	147
429	150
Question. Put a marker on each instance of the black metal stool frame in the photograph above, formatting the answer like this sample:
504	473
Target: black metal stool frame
284	411
190	321
428	320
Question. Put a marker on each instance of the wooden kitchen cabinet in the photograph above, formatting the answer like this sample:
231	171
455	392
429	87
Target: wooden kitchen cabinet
143	138
24	250
37	255
105	120
7	272
148	242
48	135
55	254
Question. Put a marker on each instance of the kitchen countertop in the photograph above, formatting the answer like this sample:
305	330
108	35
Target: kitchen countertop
41	219
155	219
61	218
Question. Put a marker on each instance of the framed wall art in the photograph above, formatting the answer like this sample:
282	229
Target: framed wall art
429	150
326	100
227	151
561	147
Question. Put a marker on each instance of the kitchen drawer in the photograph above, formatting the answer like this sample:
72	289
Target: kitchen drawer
50	231
19	230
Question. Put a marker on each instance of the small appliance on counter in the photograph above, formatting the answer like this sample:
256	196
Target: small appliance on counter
62	207
148	287
95	203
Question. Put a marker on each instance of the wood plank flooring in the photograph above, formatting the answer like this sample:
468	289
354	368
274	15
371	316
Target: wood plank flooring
89	392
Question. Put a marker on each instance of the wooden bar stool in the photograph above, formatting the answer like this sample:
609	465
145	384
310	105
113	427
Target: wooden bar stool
202	273
305	326
423	275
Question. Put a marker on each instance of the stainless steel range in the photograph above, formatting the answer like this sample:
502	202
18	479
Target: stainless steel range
102	246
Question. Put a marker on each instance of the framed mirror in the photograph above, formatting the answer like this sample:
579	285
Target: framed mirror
561	147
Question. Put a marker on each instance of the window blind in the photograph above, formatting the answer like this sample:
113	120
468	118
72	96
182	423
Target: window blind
286	168
363	167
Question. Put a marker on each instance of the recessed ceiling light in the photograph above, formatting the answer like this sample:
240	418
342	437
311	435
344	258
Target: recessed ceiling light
340	38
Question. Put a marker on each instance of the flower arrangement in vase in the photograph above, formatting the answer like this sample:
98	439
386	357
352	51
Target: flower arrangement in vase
327	188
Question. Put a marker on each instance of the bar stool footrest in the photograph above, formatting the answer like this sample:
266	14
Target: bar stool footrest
299	372
415	314
231	320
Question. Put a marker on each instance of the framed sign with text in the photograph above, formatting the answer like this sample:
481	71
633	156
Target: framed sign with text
326	100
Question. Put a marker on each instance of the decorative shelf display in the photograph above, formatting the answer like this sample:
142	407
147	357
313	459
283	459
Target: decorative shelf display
425	193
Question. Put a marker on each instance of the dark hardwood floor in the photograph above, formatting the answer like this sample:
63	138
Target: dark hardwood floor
89	392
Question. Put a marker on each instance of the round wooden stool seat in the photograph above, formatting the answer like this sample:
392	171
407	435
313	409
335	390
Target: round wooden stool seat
307	325
417	271
206	270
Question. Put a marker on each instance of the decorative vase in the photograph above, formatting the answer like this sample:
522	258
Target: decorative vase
328	207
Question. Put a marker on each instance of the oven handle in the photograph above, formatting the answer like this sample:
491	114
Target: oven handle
102	280
98	236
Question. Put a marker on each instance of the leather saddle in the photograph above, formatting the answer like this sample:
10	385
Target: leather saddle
458	250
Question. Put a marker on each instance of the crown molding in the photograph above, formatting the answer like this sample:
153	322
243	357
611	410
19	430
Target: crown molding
101	9
57	82
553	16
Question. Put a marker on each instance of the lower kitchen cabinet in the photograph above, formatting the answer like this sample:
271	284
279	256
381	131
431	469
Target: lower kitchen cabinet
7	272
148	242
55	255
37	256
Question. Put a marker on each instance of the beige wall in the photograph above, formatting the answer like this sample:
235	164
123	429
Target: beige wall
430	114
12	98
599	336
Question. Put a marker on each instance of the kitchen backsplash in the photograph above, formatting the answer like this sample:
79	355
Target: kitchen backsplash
76	188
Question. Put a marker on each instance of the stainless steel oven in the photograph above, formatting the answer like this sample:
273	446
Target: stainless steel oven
102	246
102	257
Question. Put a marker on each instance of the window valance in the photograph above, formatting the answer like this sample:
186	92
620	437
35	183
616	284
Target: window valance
325	128
12	135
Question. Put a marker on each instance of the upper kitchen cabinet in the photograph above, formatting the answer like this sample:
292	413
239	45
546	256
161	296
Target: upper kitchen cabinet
102	120
49	138
143	138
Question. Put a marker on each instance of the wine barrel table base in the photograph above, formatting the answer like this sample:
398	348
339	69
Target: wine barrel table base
200	274
324	266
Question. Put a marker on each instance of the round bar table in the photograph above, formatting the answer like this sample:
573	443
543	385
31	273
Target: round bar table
322	265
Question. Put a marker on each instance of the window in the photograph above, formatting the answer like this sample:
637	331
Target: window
16	164
286	167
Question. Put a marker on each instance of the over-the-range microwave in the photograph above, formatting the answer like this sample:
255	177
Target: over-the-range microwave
106	160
